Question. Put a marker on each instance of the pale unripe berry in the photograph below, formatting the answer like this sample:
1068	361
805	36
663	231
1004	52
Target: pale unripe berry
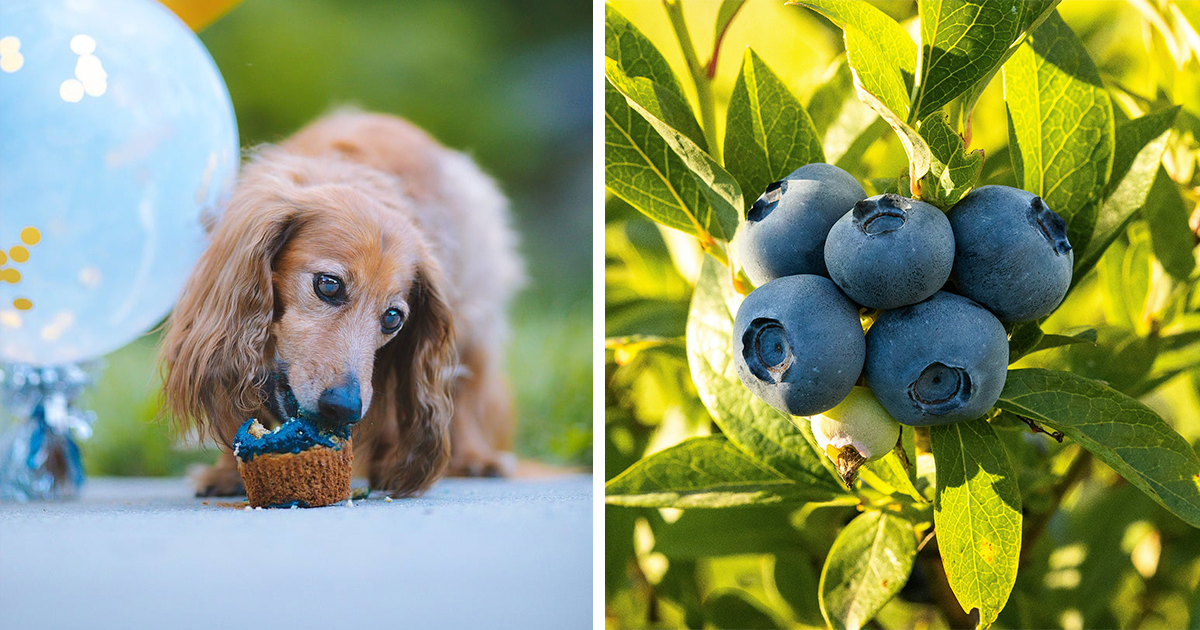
854	432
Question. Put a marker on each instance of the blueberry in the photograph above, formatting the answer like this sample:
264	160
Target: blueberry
798	344
856	431
938	361
1011	253
784	232
890	251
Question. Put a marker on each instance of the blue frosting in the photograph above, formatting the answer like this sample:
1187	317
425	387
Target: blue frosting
295	435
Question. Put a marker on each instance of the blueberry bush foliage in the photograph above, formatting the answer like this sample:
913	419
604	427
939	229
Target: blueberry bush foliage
1073	503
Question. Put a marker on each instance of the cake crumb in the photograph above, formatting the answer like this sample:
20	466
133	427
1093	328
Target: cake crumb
387	499
247	508
257	430
350	502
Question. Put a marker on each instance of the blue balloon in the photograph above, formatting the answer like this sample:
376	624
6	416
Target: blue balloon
117	145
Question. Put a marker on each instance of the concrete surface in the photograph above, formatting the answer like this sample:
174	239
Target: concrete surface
143	553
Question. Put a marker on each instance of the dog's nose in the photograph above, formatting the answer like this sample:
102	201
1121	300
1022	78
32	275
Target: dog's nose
342	404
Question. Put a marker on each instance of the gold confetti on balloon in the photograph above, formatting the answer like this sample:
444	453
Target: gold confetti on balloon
18	254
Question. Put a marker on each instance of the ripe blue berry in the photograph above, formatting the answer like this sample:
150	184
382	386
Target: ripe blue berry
798	344
938	361
1011	253
890	251
785	229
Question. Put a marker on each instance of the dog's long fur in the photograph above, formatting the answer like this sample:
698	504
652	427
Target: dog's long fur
409	224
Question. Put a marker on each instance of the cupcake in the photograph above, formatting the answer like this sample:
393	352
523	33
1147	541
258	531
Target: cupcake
296	464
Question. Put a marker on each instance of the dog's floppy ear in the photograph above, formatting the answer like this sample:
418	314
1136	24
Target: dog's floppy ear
212	353
416	371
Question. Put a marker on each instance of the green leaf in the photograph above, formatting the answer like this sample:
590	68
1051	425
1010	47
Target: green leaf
1134	145
737	610
1087	336
868	564
888	474
1062	124
882	58
637	56
797	579
896	45
874	73
662	103
663	318
1022	339
705	472
962	42
705	533
977	515
847	126
1033	13
1138	151
1120	431
880	86
1170	235
665	175
757	428
1027	338
1014	151
767	132
952	171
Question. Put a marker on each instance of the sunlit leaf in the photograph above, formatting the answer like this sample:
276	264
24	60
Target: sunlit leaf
663	174
768	134
874	72
897	47
868	564
880	86
705	472
952	171
1120	431
1033	13
1170	235
1137	153
889	473
1062	125
847	126
962	42
636	57
977	515
662	103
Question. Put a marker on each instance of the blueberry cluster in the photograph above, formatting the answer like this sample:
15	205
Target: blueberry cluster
820	250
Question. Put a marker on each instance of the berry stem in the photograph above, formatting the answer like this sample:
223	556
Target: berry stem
703	82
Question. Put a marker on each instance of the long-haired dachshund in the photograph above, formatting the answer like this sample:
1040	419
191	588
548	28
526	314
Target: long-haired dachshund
360	271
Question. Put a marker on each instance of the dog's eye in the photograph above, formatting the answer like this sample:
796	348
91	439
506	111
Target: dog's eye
392	320
329	288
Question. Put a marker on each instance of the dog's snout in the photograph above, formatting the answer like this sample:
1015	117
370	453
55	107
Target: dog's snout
342	404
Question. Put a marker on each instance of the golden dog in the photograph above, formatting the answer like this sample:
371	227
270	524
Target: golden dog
360	271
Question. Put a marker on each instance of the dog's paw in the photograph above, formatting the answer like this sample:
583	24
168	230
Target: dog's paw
481	464
218	481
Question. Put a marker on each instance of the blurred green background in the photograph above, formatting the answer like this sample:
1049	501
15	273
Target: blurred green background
508	82
1108	555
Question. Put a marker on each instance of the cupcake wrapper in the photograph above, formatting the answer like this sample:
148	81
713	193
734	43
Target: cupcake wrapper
314	477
